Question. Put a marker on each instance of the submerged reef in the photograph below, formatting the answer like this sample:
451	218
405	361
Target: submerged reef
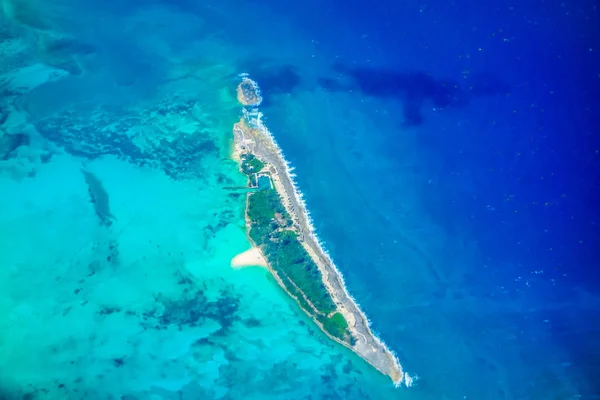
99	198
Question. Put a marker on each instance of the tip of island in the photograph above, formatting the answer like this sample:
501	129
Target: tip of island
283	240
248	93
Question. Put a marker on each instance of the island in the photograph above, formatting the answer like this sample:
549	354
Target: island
280	230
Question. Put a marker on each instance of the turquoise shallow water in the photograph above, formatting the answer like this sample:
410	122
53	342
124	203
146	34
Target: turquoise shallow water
122	288
432	162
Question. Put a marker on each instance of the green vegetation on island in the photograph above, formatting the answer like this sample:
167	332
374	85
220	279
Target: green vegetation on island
336	325
271	230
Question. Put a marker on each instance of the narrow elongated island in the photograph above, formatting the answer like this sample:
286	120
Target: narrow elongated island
278	225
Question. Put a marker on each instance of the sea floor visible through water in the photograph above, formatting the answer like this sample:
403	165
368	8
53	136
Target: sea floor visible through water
126	289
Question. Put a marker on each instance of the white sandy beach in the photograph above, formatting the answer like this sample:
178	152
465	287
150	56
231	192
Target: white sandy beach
249	258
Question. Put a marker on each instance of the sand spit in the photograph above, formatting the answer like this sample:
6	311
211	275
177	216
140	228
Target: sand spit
249	258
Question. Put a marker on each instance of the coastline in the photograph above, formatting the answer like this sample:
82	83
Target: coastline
252	137
249	258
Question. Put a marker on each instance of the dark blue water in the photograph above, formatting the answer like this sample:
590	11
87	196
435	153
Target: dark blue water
450	157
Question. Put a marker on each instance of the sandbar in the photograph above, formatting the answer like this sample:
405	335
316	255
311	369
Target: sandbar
249	258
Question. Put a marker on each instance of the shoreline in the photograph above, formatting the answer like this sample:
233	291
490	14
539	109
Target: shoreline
249	258
252	136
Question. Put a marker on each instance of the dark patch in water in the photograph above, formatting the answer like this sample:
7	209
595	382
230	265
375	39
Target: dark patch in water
183	279
119	362
192	309
251	322
9	143
69	46
99	198
179	155
106	310
412	89
273	78
3	114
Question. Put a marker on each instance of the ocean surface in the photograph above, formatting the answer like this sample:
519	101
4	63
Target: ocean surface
449	154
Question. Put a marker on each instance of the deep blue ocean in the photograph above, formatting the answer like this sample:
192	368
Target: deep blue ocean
448	152
450	158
